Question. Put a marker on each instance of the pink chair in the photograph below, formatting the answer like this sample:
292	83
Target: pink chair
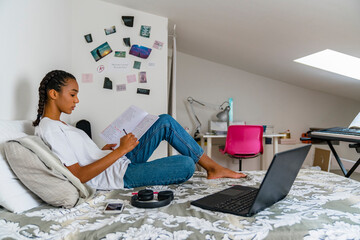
243	141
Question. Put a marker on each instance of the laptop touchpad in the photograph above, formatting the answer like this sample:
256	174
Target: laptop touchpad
234	192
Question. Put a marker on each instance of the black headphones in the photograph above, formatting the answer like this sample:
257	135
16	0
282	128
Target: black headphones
140	200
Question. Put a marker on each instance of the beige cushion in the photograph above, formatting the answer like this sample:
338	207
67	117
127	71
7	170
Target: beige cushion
14	196
44	174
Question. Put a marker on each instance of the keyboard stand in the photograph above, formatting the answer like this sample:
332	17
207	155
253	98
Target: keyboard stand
328	140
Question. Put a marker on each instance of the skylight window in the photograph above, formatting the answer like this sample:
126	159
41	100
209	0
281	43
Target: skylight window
333	61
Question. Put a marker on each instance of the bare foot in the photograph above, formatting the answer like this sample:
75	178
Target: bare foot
224	173
215	170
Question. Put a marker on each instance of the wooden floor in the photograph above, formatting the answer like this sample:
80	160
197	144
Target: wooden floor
354	175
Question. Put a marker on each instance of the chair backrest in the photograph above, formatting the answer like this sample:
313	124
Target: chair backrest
85	126
244	139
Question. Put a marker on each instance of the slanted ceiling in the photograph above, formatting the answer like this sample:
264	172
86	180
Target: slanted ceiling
264	37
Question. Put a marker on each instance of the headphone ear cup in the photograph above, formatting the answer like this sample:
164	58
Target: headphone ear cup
164	198
145	195
165	195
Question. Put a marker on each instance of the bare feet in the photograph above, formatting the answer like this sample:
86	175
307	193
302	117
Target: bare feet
224	173
215	170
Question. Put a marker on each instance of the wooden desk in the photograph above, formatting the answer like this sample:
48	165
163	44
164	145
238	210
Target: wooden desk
209	137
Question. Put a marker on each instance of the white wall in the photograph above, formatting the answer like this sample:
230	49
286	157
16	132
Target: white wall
41	35
257	100
101	106
35	38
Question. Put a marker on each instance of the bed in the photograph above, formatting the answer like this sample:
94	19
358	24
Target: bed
320	205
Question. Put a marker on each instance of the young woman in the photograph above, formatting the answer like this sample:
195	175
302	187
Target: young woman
125	166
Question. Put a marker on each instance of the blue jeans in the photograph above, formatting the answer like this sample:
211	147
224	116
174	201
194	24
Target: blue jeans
167	170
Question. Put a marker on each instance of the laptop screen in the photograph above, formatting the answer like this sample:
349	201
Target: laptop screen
280	177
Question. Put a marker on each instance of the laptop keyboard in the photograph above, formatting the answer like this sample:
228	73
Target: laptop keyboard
239	203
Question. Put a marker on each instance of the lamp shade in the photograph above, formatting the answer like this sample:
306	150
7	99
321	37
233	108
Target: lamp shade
224	114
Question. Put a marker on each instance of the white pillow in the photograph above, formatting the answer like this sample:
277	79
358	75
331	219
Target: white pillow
14	196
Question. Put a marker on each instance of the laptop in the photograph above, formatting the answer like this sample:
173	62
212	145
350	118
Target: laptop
247	201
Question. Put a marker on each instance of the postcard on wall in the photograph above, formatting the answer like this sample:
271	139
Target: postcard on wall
131	78
137	65
120	54
87	78
134	120
140	51
110	30
145	31
119	64
88	38
142	77
108	83
128	21
158	45
127	41
121	87
101	51
143	91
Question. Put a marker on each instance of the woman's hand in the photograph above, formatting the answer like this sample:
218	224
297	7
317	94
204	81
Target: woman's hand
128	143
87	172
109	147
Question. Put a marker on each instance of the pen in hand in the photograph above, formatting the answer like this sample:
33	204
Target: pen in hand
124	131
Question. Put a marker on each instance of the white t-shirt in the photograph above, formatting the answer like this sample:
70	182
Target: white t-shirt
73	146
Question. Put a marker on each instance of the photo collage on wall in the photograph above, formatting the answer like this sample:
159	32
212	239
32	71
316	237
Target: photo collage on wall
122	60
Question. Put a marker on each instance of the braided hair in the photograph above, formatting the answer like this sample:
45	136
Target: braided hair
55	79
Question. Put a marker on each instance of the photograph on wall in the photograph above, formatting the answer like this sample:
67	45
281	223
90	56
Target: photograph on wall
128	21
121	87
87	78
88	38
158	45
127	41
143	91
110	30
101	51
131	78
142	77
145	31
140	51
120	54
108	83
137	65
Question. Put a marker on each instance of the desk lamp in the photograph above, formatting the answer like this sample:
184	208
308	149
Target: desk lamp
223	115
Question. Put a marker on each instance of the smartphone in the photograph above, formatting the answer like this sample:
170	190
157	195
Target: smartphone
114	207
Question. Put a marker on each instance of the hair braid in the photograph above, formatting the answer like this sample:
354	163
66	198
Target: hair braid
55	79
